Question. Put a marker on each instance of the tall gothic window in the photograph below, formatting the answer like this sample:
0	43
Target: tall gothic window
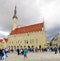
36	40
32	41
18	41
26	41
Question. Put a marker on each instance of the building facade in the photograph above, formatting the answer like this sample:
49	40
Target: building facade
32	35
3	43
58	39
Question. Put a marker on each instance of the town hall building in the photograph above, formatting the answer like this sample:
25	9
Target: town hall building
32	35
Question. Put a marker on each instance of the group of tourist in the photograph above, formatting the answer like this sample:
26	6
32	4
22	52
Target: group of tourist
55	49
32	49
24	51
21	51
36	49
3	53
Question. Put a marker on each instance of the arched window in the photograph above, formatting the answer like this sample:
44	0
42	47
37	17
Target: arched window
36	40
32	41
26	41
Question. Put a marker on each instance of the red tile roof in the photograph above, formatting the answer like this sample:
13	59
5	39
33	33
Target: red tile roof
1	40
31	28
6	40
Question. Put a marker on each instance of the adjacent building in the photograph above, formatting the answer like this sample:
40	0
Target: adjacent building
56	40
3	43
0	43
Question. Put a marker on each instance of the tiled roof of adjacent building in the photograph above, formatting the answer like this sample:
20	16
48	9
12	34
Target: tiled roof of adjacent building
6	40
25	29
1	40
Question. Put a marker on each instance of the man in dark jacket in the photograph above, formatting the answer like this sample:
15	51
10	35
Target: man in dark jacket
59	49
55	49
0	53
18	51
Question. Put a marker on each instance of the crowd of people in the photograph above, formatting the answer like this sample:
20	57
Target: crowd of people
3	53
21	51
55	49
24	51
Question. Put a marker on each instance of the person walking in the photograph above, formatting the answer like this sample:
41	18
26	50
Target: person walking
40	48
0	54
25	53
59	49
3	54
55	49
18	51
6	52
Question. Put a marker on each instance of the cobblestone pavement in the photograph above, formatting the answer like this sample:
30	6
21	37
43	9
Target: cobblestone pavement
45	56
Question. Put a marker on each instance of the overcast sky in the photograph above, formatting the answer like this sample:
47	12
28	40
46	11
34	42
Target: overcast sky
30	12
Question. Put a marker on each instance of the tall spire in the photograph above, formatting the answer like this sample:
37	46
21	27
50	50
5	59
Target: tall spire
43	21
15	13
43	24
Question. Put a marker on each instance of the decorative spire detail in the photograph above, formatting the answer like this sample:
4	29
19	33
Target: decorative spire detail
43	21
15	13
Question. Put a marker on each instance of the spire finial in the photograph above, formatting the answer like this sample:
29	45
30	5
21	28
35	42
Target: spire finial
43	19
15	13
43	23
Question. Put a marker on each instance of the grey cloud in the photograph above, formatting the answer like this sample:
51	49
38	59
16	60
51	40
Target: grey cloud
30	12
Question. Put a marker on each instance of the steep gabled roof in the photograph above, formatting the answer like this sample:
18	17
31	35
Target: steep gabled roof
25	29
